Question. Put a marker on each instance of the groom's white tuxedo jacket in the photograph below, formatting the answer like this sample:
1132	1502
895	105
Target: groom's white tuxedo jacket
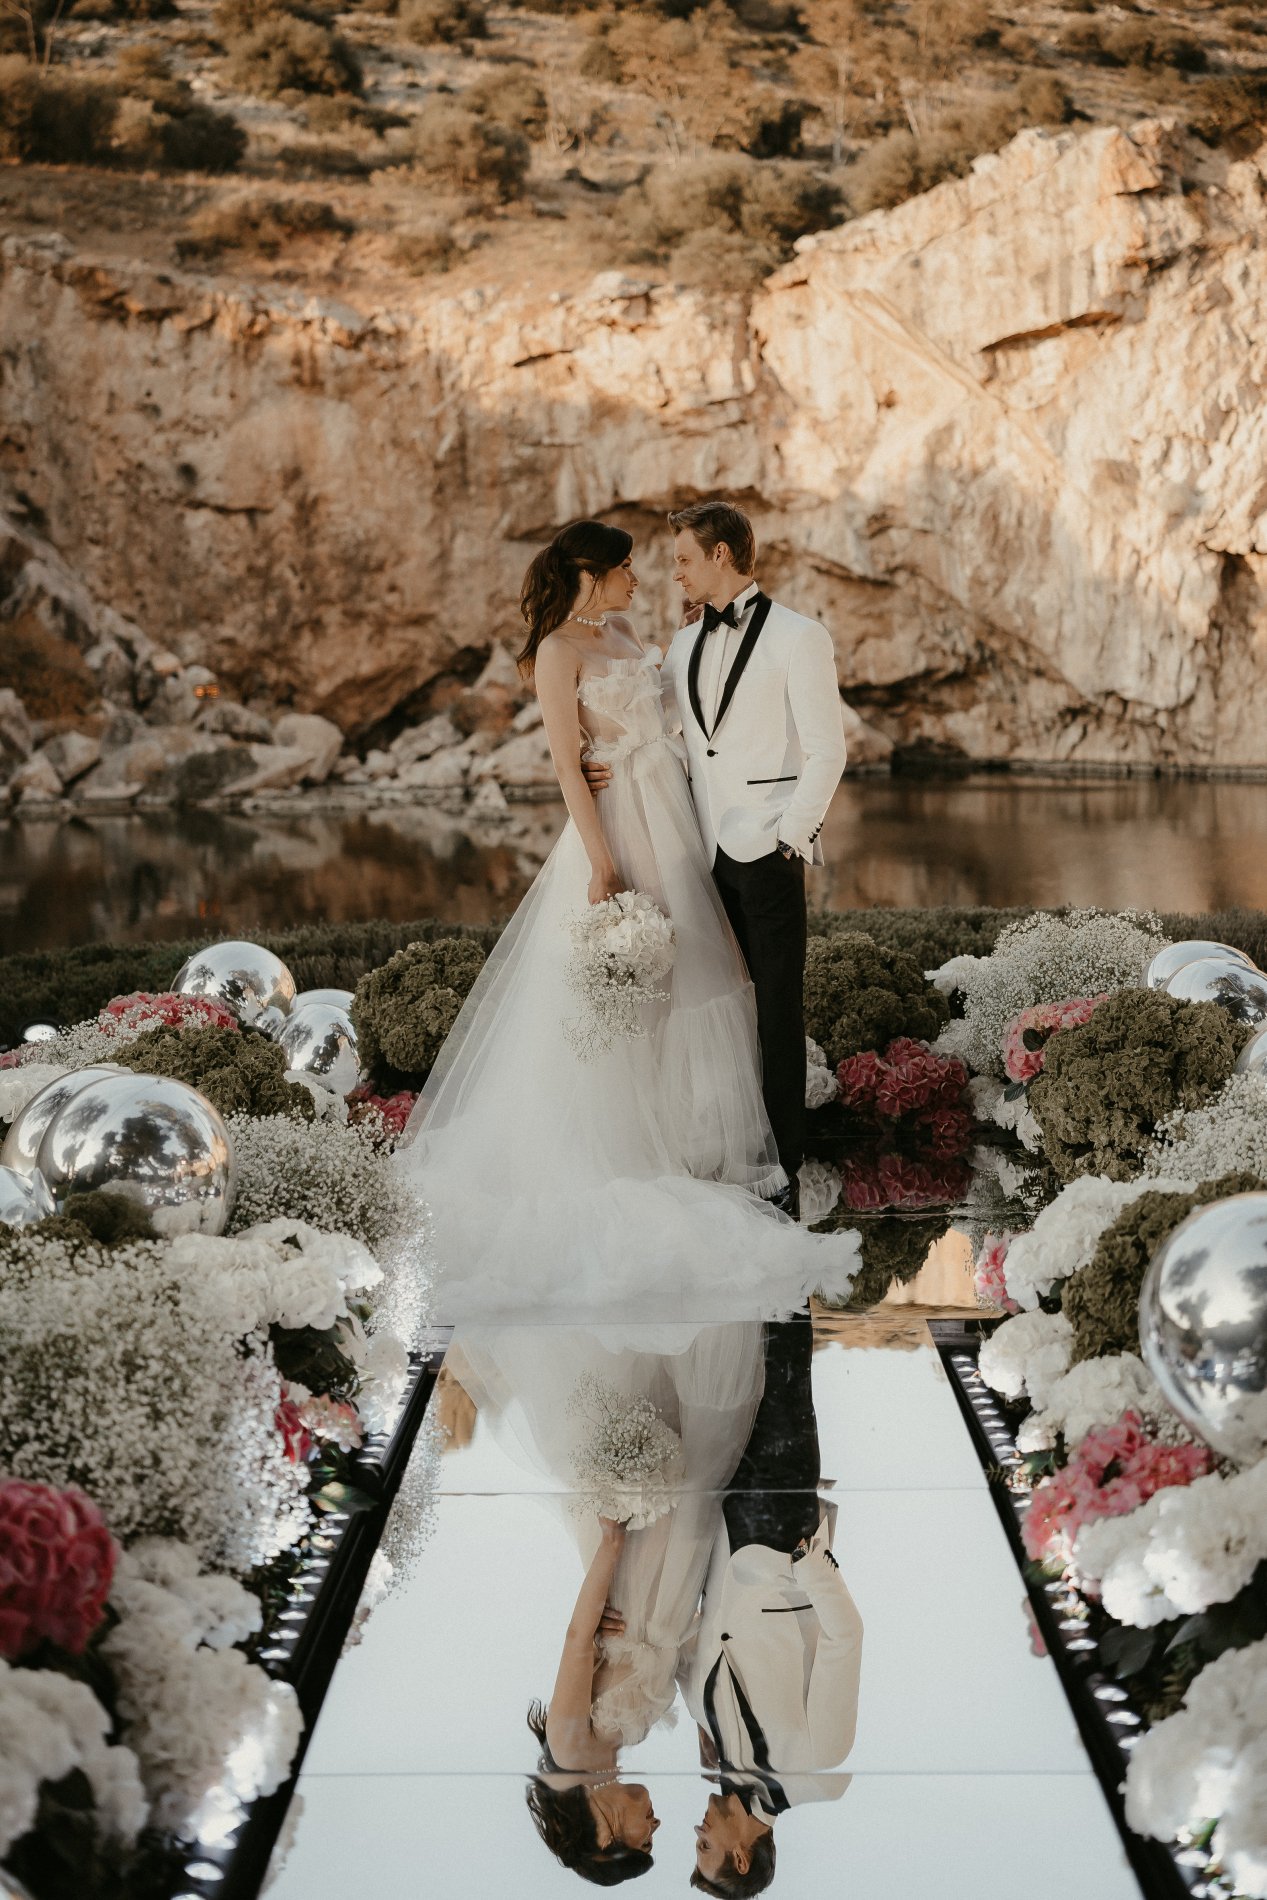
764	767
792	1636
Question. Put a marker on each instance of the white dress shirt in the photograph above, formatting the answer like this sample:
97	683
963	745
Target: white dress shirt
720	648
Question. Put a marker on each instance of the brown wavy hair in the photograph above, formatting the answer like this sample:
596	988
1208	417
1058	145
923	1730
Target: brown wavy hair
565	1821
545	601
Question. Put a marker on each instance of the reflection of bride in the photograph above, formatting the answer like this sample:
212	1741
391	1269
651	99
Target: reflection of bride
522	1380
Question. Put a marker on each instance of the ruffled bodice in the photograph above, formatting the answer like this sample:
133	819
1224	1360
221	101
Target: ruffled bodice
620	706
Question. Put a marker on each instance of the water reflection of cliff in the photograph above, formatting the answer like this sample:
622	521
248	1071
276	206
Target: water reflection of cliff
1179	845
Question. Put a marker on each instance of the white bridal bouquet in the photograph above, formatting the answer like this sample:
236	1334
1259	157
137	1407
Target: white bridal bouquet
628	1465
622	949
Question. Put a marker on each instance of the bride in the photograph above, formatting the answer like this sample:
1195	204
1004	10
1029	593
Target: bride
636	1183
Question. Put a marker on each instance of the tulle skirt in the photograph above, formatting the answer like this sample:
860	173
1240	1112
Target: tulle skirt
634	1184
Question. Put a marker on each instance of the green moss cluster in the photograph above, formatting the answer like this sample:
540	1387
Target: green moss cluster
1106	1084
931	936
893	1251
860	996
403	1011
1102	1302
239	1072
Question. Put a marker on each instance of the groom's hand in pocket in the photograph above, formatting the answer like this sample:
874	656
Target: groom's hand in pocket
597	776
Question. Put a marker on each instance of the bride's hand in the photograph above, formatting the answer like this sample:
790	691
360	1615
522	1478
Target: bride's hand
604	884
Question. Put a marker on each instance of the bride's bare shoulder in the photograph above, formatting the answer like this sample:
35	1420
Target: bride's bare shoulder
558	653
622	625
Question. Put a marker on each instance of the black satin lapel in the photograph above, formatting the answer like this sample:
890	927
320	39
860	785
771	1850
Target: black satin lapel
758	620
692	680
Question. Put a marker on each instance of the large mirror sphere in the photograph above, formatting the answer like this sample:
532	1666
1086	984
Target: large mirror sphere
1175	955
1238	988
1253	1057
337	999
319	1041
155	1140
24	1198
30	1124
243	976
1203	1323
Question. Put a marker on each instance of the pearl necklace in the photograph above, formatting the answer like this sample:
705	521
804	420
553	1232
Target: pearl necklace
581	621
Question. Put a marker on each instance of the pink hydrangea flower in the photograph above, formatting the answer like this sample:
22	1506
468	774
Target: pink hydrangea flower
297	1440
57	1561
1114	1469
165	1009
906	1077
394	1109
333	1420
873	1182
989	1278
1041	1020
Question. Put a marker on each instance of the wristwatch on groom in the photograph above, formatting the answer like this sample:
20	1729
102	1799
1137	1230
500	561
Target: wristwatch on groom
787	850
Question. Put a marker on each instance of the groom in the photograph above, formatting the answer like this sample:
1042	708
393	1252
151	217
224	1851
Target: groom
754	686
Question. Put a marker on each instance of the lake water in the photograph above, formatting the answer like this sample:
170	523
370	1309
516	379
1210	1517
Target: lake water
991	839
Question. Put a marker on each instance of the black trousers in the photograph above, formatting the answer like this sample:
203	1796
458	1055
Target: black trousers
765	902
773	1497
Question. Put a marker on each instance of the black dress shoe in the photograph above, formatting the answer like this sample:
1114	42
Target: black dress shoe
788	1199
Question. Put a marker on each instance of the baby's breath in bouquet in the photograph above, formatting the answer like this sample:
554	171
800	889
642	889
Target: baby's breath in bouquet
630	1460
622	949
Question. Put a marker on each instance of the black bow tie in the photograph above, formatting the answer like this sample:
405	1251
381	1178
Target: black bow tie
720	616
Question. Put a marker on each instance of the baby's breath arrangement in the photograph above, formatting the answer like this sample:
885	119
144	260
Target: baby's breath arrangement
333	1177
622	950
628	1464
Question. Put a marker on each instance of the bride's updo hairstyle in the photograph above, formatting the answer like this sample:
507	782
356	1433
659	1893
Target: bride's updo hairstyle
565	1822
554	577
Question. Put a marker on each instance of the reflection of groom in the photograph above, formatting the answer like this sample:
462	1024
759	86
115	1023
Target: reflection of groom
756	691
770	1673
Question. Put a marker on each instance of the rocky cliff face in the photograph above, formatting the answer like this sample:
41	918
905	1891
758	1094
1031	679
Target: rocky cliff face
1007	440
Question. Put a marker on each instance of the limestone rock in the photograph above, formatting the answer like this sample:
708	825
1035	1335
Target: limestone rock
36	782
203	775
71	754
523	761
865	746
441	771
234	720
489	801
17	741
419	742
274	768
320	738
527	717
173	703
143	761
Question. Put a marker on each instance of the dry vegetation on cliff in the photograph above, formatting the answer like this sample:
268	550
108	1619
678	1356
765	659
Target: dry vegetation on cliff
358	148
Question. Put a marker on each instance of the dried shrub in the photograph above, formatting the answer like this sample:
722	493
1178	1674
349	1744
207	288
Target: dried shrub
932	937
287	54
47	672
239	1071
425	250
725	218
403	1011
1152	43
47	118
463	148
1106	1084
900	165
860	996
258	223
1101	1302
511	97
442	22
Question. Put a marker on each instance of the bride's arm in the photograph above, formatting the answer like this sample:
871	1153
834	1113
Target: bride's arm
556	680
568	1715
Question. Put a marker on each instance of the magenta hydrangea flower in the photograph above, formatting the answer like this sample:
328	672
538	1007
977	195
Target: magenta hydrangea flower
1026	1037
989	1278
1114	1469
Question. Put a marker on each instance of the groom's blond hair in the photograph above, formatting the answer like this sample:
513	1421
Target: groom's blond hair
719	523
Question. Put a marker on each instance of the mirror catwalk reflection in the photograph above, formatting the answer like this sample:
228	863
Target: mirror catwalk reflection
804	1666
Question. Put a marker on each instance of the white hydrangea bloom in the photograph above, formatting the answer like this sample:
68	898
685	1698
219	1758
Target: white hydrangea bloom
990	1102
1041	959
1208	1761
821	1189
1027	1354
17	1086
821	1085
1066	1233
1094	1392
1226	1134
49	1725
1189	1546
382	1366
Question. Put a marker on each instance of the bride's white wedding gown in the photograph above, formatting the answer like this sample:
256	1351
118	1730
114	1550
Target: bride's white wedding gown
629	1184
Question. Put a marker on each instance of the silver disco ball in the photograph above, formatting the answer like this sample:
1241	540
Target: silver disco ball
1203	1323
337	999
157	1141
29	1125
244	977
1175	955
1238	988
1253	1057
319	1041
24	1198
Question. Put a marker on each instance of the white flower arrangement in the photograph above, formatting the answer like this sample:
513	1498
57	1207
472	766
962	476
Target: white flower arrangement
1064	1236
141	1380
50	1725
1208	1762
382	1369
991	1103
1226	1134
629	1465
210	1729
1041	959
622	949
1189	1546
821	1189
330	1177
18	1086
821	1085
1093	1392
1027	1355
